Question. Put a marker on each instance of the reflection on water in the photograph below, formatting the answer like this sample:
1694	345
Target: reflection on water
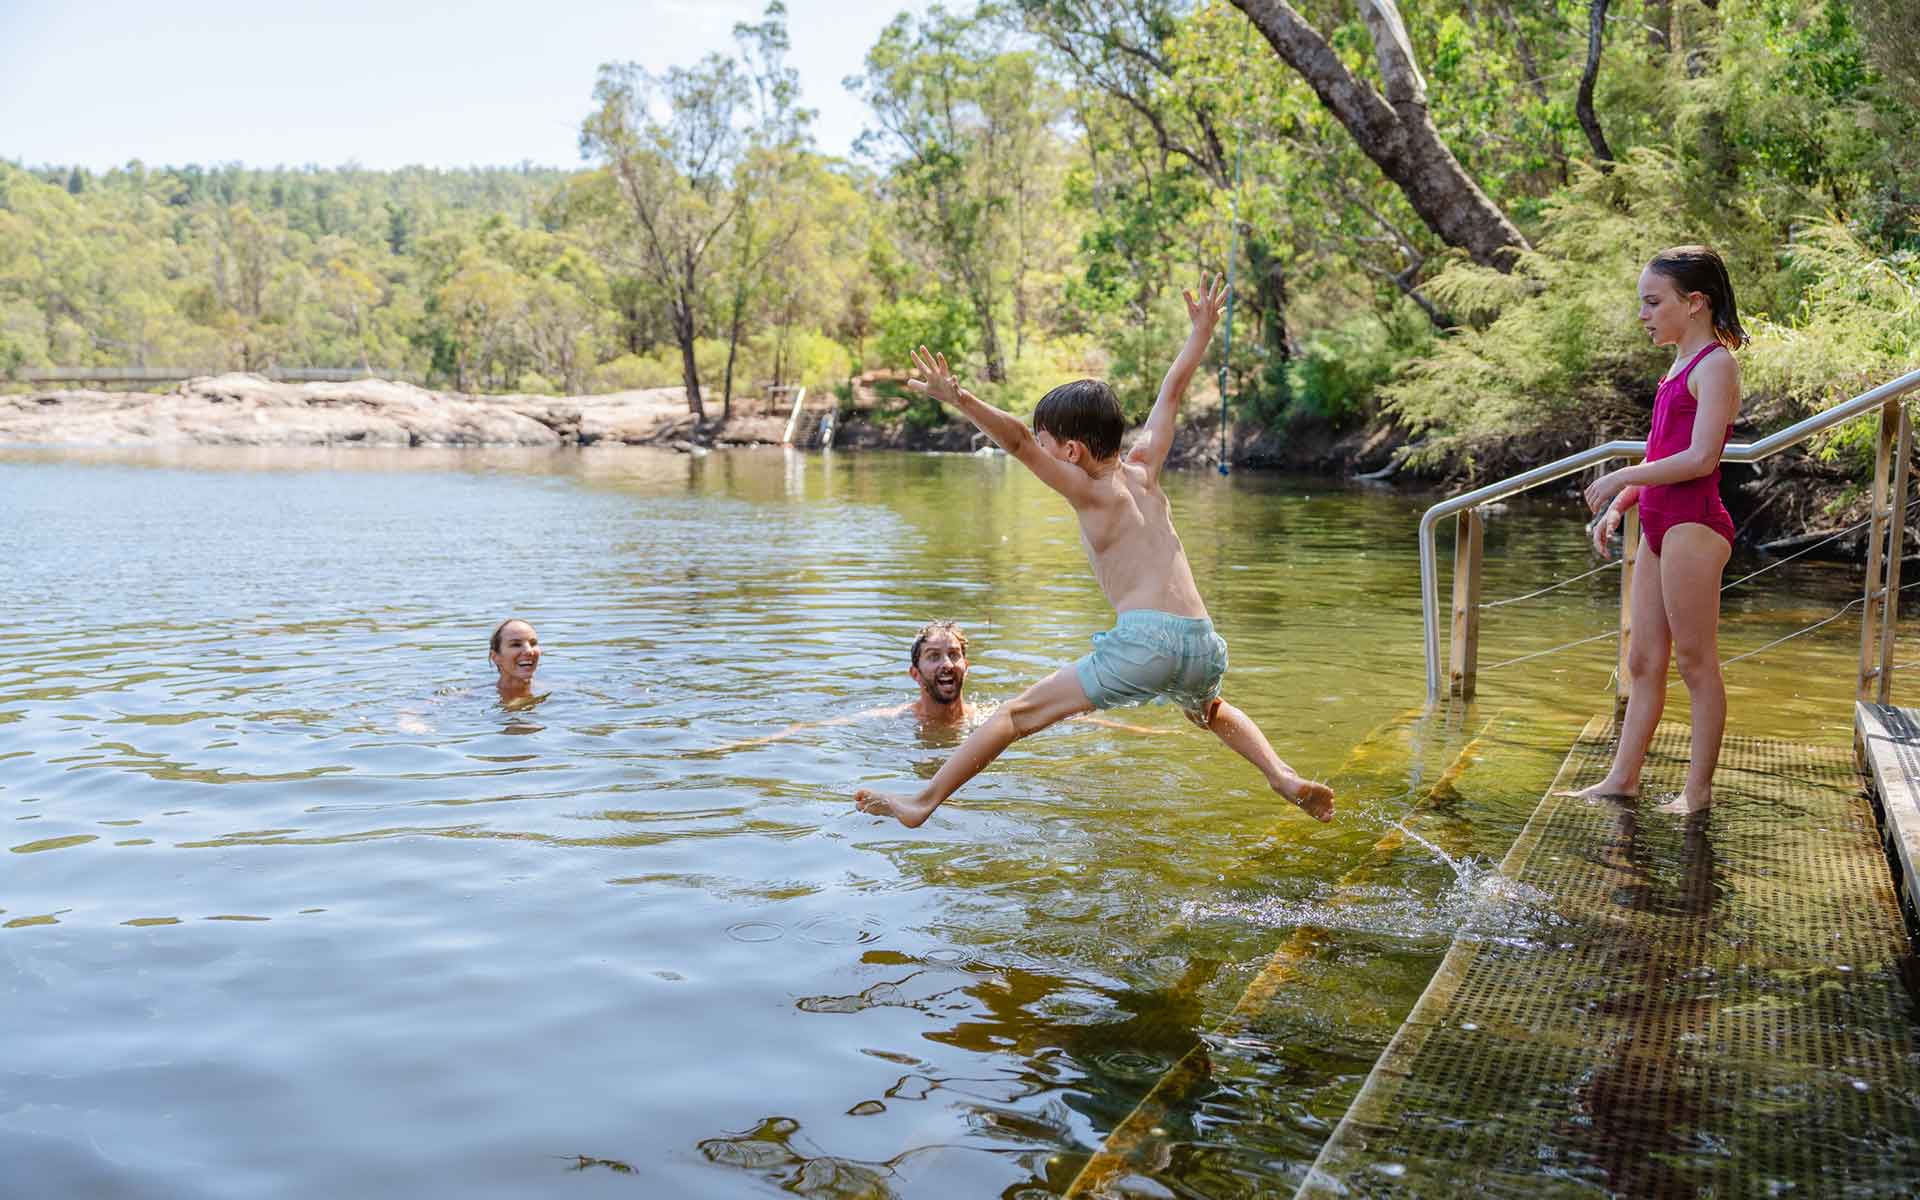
1641	1114
291	905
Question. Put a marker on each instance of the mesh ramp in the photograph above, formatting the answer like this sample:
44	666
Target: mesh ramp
1719	1010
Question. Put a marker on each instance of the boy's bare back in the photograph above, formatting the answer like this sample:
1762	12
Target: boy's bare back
1126	525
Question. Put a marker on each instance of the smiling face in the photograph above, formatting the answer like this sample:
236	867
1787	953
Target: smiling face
517	655
1665	313
941	669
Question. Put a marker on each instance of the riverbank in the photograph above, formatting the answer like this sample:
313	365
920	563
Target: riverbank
1779	504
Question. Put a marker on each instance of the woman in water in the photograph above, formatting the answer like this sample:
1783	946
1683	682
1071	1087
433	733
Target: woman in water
1686	301
516	655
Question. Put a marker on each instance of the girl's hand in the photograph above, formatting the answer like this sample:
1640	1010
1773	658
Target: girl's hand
1603	531
1601	491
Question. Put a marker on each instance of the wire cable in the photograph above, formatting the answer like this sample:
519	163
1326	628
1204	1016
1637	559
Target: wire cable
1804	550
1611	633
1553	587
1844	609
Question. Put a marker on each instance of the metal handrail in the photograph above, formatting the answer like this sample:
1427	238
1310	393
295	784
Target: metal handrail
1741	452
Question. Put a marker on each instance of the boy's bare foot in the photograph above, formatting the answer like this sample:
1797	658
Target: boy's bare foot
910	811
1606	789
1314	798
1689	802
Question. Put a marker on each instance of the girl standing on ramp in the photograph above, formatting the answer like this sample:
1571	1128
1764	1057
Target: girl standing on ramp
1686	301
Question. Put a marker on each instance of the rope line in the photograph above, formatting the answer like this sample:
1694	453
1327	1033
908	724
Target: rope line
1810	549
1611	633
1727	587
1554	587
1844	609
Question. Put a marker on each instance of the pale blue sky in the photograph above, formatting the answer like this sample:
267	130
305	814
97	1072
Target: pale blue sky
380	82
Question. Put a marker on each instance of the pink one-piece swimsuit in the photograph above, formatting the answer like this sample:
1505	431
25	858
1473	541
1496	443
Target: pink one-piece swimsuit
1696	501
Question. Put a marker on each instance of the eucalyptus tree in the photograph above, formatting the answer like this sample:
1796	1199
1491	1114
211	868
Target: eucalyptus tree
972	122
771	169
1395	130
672	144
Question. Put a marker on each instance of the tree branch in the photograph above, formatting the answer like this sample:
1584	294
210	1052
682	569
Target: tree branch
1583	106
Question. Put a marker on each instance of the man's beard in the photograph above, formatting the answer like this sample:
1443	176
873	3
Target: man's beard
930	684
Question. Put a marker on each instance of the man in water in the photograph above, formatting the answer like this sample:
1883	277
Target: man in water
937	662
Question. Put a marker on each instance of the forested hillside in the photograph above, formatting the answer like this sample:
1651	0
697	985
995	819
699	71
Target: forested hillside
1433	214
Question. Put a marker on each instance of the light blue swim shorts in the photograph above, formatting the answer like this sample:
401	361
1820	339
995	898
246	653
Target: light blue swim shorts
1151	655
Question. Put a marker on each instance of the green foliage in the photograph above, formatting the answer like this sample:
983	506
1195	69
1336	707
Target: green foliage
1781	135
1043	178
1858	326
937	319
1340	370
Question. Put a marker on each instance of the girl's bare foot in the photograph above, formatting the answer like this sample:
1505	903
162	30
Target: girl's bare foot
1314	798
910	811
1689	802
1607	789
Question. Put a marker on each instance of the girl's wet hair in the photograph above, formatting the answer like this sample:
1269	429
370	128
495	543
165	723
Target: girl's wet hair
1700	269
493	643
1084	411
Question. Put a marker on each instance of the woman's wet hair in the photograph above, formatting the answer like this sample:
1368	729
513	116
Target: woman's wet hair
493	643
931	628
1084	411
1701	269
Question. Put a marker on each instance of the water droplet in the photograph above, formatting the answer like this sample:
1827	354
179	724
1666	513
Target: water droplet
755	931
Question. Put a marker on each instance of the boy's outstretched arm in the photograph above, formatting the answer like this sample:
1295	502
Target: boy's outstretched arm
1205	315
1006	430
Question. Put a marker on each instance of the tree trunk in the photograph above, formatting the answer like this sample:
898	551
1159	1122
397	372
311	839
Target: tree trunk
996	365
1583	105
689	370
733	347
1395	131
1270	286
983	311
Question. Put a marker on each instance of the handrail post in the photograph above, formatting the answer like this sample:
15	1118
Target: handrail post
1468	544
793	418
1896	541
1873	594
1629	548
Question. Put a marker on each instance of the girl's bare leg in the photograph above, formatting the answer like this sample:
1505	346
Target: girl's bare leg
1646	677
1690	582
1239	732
1054	698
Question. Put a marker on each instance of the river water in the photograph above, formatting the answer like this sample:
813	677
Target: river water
290	906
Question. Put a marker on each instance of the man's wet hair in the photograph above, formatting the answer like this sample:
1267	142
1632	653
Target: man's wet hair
1084	411
931	628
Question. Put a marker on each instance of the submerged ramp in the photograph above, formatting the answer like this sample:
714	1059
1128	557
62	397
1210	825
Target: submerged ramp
1717	1009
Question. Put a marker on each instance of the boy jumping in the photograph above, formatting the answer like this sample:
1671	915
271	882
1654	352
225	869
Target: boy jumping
1162	645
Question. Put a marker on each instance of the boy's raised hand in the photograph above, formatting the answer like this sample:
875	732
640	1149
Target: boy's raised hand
939	382
1205	312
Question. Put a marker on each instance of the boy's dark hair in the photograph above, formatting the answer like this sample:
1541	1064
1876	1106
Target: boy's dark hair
1700	269
931	628
1084	411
